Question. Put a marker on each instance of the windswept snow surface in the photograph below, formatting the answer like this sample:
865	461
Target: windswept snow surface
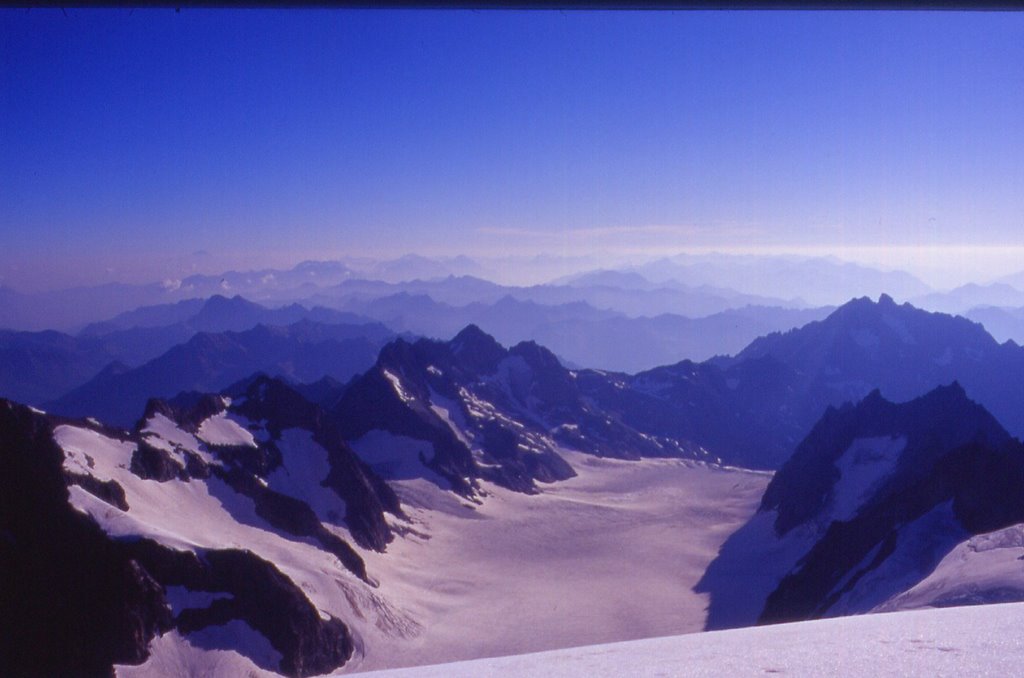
965	641
610	555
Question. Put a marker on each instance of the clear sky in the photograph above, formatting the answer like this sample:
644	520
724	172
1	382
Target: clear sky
151	140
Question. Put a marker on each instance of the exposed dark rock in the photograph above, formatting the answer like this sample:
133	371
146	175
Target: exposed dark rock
260	595
372	403
72	602
367	496
107	490
151	463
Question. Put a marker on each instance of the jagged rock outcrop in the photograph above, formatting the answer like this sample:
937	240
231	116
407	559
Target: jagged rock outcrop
482	411
109	539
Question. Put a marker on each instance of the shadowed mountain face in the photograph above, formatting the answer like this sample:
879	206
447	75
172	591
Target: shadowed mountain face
470	408
305	351
41	366
866	507
38	366
753	409
901	350
218	314
750	410
739	414
113	538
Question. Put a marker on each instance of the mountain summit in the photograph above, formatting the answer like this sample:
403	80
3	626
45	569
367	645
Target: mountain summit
471	409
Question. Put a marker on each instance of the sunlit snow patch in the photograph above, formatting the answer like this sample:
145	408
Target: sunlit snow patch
397	384
87	452
164	434
220	429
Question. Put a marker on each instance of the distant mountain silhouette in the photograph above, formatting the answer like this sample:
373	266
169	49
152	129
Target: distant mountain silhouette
304	351
584	335
38	366
784	276
1004	324
677	298
966	297
217	314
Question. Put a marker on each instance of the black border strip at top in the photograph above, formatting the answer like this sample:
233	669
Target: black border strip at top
563	5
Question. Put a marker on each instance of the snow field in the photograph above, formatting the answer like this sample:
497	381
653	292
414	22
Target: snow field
953	642
611	554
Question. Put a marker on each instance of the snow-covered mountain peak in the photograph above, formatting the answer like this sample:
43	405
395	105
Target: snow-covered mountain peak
180	555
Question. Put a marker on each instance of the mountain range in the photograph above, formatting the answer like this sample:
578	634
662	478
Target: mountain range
247	521
296	498
585	336
483	412
304	351
784	276
899	349
750	409
42	366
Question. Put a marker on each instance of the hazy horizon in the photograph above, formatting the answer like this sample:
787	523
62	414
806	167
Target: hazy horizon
149	144
941	269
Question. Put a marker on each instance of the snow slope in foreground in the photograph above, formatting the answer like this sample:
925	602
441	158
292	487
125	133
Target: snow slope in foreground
964	641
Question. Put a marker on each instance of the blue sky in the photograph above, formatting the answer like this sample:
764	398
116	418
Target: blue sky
133	141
